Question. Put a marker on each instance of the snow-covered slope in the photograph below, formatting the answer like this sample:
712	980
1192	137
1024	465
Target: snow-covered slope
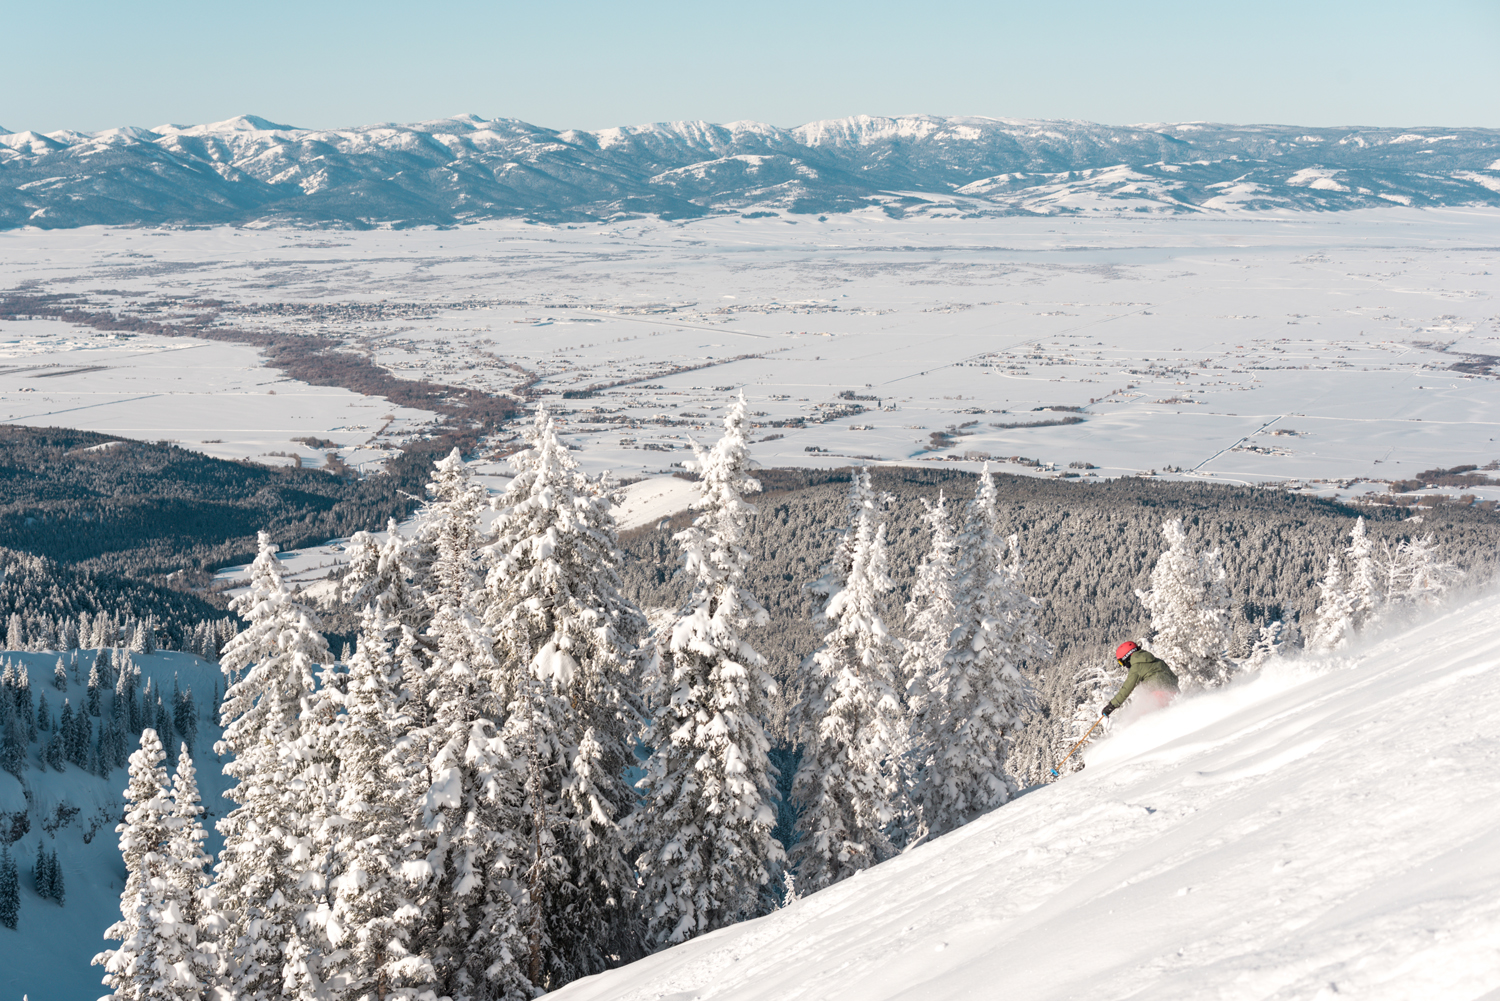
1326	829
47	956
250	170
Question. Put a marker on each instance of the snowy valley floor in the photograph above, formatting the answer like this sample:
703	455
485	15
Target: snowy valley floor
1326	829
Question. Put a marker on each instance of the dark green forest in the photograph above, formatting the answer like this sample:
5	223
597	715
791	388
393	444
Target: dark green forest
147	510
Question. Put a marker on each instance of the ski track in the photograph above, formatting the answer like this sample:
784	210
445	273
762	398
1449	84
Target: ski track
1325	829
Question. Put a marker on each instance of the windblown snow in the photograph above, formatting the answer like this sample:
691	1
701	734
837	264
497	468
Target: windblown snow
1325	828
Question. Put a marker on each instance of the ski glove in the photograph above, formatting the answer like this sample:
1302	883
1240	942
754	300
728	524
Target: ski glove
1109	709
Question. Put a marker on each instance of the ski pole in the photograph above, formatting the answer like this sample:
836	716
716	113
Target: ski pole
1076	746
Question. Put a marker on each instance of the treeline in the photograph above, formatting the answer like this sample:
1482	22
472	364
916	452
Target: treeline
47	606
1088	547
147	510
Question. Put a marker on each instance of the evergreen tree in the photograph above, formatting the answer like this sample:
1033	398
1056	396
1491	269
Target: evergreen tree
705	825
390	573
931	617
849	718
978	695
60	676
43	714
54	754
1335	612
1189	606
42	874
93	691
369	924
10	889
1365	597
163	720
1422	576
67	732
270	666
80	742
188	884
158	957
553	588
1268	644
185	717
467	924
49	876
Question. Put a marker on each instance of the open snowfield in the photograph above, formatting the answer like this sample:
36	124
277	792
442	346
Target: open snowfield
47	957
1246	348
210	396
1323	829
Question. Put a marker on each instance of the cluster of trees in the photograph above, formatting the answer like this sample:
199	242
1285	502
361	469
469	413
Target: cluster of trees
450	811
45	605
115	697
1091	548
39	631
1365	584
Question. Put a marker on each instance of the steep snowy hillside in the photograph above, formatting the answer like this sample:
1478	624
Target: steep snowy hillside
248	169
1325	829
73	813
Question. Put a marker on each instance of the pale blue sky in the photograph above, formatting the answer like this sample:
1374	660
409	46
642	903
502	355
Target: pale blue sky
87	64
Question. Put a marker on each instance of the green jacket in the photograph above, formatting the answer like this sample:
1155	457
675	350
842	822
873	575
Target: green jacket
1144	670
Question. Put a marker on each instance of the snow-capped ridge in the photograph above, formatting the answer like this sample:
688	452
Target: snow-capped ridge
466	167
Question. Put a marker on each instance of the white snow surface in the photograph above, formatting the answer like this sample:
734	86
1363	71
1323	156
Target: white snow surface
1326	828
650	500
1267	348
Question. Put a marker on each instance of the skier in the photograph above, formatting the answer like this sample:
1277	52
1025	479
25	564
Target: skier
1155	679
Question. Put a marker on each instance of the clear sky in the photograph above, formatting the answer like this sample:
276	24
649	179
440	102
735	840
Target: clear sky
91	64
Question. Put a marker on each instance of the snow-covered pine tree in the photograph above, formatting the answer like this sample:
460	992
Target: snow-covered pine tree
553	588
1189	605
187	873
60	676
270	666
1268	644
392	573
466	920
850	723
978	695
369	920
1423	575
931	617
48	876
705	825
158	958
1365	595
185	717
1334	616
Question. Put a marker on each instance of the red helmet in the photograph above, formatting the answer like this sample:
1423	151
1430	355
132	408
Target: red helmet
1125	650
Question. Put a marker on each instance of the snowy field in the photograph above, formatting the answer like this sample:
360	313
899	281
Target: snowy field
1244	348
209	396
1323	829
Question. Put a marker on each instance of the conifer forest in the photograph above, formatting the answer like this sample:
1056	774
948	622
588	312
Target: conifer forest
552	748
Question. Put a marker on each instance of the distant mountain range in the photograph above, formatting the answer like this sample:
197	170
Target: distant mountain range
251	171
